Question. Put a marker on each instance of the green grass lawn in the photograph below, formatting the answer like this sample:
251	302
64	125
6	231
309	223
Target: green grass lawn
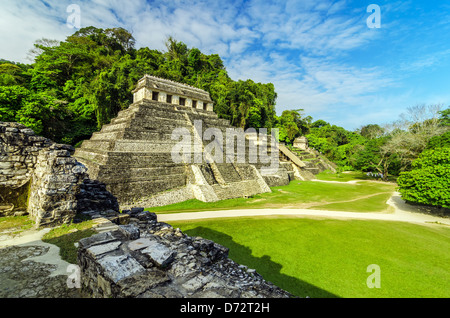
342	176
372	196
375	203
19	223
329	258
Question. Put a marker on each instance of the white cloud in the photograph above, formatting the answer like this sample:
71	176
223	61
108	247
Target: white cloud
337	6
300	25
22	23
300	46
323	29
317	85
426	61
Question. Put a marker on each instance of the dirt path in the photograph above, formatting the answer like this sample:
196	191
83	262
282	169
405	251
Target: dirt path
402	212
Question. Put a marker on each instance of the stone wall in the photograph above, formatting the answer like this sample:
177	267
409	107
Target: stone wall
57	186
150	259
56	180
19	148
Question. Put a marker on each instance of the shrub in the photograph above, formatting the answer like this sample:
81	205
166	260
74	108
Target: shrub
429	180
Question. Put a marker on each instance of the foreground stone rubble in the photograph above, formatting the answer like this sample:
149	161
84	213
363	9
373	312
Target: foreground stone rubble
150	259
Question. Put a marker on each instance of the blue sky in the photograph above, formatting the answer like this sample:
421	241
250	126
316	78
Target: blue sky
320	54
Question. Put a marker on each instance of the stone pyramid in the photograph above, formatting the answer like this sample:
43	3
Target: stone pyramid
134	154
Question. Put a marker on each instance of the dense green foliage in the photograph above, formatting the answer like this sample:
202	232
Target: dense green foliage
376	149
292	124
429	180
76	86
439	141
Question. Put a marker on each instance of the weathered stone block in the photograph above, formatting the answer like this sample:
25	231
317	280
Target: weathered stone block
11	129
101	238
139	244
130	231
98	250
146	216
159	253
135	211
196	283
5	165
139	284
119	267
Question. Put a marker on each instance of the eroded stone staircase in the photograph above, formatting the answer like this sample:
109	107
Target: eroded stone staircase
314	162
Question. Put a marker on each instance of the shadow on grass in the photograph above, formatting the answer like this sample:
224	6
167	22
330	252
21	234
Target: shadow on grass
65	242
270	270
353	175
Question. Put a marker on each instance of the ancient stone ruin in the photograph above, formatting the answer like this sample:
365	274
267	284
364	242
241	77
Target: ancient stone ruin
150	259
40	178
136	154
301	143
313	162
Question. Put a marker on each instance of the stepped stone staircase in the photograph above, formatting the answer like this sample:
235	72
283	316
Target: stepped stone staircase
133	155
313	161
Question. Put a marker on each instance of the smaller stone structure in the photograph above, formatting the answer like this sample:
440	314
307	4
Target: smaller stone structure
313	161
150	259
301	143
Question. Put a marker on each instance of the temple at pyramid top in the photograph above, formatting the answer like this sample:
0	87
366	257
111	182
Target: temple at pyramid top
167	91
